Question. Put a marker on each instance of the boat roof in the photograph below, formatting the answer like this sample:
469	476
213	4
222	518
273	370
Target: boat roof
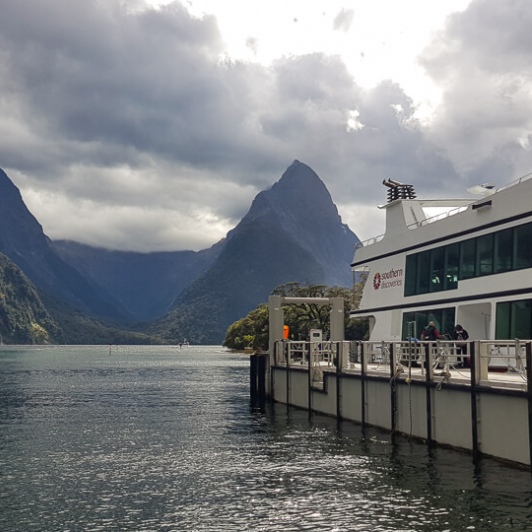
405	210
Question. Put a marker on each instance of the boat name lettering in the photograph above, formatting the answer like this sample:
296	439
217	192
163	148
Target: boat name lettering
388	279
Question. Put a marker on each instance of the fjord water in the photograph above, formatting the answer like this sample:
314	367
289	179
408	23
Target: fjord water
163	438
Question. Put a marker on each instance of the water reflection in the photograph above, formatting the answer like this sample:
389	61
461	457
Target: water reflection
434	485
154	439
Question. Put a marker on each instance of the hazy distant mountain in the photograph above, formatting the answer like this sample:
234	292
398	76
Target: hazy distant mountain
292	232
23	241
146	284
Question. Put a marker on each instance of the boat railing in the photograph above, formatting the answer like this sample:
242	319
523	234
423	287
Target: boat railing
369	241
298	353
443	354
414	225
516	181
497	362
327	354
440	216
498	356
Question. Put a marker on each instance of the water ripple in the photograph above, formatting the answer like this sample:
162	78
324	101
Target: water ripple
154	439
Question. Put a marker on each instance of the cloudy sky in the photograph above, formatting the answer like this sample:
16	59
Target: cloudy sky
151	126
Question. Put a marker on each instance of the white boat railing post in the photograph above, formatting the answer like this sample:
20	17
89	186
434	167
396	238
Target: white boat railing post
483	360
283	350
519	350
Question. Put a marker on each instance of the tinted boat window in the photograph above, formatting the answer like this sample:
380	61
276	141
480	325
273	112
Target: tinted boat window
452	260
437	267
423	273
503	250
411	274
485	255
468	250
523	246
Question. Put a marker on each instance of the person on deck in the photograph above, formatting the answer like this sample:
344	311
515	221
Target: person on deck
460	335
430	333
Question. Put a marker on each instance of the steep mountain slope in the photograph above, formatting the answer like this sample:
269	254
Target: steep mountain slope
300	205
292	232
23	317
23	241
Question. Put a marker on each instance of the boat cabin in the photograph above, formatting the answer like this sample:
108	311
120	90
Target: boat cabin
465	261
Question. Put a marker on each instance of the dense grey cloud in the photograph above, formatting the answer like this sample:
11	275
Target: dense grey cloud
132	129
483	60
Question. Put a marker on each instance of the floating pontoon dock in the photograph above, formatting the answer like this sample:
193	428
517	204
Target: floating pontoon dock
479	401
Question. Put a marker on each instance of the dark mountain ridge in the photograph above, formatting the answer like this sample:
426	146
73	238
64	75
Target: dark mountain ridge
291	233
24	242
300	205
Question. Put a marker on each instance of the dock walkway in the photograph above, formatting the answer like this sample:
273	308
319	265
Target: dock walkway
478	399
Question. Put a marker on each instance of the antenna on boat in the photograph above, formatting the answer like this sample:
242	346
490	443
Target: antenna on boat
482	190
398	190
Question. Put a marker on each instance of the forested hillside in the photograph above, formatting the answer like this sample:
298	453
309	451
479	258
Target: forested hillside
23	317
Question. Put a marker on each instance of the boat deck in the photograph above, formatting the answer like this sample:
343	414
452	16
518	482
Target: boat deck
501	365
457	375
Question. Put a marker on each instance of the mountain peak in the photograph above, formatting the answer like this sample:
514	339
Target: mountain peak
299	202
301	178
291	233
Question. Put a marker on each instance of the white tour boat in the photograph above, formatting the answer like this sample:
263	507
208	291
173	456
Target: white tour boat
470	265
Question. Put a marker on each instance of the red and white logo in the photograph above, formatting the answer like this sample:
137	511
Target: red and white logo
377	281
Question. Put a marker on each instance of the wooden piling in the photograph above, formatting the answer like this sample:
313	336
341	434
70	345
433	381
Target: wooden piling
253	383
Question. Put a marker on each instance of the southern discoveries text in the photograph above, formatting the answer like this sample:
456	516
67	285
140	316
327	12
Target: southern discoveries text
392	278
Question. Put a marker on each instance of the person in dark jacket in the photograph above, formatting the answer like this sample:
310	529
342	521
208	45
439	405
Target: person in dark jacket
460	335
430	333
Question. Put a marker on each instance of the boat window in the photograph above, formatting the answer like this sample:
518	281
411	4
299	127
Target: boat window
502	327
514	320
504	250
468	251
423	273
452	260
485	255
522	319
437	267
523	246
441	268
411	275
442	318
413	323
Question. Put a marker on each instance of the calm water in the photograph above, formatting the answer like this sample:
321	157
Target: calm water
151	438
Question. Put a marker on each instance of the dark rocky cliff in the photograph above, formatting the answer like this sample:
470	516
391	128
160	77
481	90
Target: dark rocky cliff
292	233
22	240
